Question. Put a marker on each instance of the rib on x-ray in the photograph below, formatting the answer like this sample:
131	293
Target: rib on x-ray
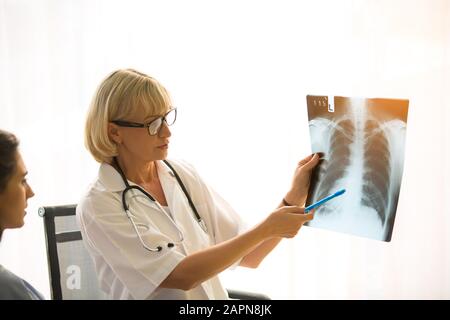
361	143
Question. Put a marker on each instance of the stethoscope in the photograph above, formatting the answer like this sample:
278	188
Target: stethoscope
149	196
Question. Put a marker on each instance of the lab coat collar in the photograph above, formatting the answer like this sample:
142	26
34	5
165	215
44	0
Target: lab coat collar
110	178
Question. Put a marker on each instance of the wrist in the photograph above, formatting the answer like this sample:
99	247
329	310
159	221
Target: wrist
290	198
286	203
294	198
262	231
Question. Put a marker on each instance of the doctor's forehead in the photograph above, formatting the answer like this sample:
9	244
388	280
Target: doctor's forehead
145	114
145	106
154	101
149	113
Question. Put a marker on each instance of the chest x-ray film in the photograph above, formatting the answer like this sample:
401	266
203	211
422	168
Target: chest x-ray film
362	147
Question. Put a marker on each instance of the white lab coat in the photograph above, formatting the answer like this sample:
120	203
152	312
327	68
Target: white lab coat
125	269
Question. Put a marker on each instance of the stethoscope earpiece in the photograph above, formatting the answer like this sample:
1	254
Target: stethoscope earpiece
159	248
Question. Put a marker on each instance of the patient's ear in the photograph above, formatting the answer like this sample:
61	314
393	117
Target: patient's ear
114	133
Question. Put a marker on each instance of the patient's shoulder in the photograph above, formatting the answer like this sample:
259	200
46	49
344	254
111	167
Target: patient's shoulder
15	288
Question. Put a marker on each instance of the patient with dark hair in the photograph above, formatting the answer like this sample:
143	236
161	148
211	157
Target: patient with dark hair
14	193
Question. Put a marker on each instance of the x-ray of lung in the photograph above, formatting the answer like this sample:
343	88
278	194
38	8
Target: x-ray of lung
362	146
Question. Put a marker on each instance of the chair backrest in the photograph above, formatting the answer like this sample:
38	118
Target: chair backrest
71	269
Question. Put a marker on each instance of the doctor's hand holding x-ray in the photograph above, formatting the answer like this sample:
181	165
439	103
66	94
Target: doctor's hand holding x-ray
153	227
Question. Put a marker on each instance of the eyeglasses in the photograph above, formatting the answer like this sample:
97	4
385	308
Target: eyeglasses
153	126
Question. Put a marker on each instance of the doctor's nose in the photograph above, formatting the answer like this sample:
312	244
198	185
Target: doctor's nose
164	131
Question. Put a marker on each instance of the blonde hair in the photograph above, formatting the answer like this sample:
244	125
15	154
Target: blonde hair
123	94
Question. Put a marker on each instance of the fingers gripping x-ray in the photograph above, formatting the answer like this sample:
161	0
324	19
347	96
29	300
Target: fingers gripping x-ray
361	142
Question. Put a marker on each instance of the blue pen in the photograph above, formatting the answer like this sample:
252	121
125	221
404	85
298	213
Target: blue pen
320	202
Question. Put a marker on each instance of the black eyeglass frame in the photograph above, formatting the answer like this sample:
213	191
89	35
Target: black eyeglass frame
128	124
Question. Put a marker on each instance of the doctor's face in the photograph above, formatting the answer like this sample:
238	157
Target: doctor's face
13	200
147	143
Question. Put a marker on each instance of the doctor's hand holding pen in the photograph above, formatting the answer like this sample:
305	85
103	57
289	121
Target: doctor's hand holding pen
290	216
285	222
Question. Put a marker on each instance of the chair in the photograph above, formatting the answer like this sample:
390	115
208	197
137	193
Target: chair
71	269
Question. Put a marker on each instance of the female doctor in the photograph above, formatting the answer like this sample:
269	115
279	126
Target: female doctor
153	227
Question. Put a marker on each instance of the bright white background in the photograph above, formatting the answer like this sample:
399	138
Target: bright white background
239	71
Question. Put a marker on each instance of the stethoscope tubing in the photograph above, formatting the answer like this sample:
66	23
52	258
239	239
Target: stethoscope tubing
125	206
